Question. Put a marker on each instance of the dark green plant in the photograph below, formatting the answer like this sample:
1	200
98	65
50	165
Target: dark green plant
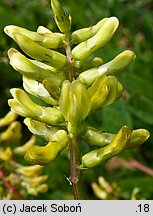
64	85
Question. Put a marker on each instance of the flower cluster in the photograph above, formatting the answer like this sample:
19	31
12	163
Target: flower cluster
13	175
70	83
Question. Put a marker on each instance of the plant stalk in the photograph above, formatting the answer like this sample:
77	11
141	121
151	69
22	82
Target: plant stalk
75	162
70	69
73	140
10	187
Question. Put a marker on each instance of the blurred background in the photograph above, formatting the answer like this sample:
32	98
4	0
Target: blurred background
131	173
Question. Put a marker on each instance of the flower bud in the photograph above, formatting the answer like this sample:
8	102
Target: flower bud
90	159
117	145
6	154
99	191
122	60
74	102
115	91
62	19
40	129
12	134
30	68
34	50
43	30
43	188
20	110
34	182
42	155
119	62
88	64
104	91
99	92
53	42
103	189
48	33
24	101
98	138
138	137
104	184
29	171
24	106
8	118
37	89
86	33
97	61
86	48
98	156
51	116
88	77
54	90
21	150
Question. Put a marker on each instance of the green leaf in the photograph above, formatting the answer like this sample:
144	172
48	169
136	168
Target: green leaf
142	107
115	116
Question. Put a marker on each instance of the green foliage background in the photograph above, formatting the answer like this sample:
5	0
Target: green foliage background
134	109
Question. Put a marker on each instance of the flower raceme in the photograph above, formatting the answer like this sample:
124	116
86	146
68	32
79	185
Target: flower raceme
28	179
70	84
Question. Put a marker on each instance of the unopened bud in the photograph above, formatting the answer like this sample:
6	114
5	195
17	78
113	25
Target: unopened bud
86	33
115	91
138	137
86	48
6	154
98	138
34	50
53	42
37	89
104	91
42	155
29	171
40	129
24	101
35	181
30	68
99	192
24	106
51	116
119	62
74	102
48	33
12	134
62	19
104	184
54	90
99	92
21	150
96	157
88	77
43	188
43	30
8	118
